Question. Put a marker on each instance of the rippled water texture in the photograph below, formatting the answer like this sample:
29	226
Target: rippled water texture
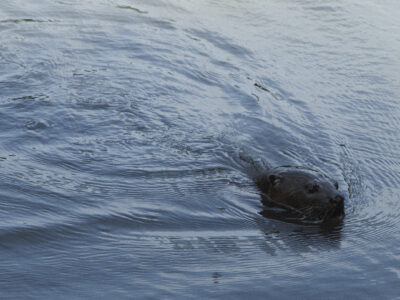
130	130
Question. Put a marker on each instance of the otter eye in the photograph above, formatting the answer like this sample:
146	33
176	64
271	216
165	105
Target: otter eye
336	185
312	188
274	179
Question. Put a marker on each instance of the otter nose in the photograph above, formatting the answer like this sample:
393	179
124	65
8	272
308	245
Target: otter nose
338	200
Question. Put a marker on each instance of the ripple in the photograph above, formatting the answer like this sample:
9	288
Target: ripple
219	42
37	124
26	20
132	8
130	133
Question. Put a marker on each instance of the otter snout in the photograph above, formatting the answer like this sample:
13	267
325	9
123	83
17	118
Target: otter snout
337	200
338	206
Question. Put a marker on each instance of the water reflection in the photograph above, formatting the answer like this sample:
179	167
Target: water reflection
276	239
120	126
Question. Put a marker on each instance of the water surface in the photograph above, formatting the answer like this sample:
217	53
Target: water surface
129	132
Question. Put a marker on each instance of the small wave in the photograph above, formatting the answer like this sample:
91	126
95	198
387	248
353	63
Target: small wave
27	20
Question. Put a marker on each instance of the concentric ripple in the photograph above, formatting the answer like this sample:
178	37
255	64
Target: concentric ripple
130	132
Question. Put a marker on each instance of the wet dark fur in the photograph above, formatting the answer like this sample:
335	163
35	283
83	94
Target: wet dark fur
306	193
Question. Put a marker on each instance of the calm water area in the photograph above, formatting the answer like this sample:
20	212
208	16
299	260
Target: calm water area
130	131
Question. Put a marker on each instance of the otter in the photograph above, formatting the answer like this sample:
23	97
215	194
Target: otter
305	193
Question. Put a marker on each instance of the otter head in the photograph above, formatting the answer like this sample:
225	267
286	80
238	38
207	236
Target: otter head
310	193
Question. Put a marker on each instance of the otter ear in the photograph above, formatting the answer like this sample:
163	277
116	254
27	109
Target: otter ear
274	180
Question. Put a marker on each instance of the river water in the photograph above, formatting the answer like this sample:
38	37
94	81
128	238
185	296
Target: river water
130	131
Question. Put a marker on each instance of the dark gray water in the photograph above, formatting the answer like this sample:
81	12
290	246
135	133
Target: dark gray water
129	131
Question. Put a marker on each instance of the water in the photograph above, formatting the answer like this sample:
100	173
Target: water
129	132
